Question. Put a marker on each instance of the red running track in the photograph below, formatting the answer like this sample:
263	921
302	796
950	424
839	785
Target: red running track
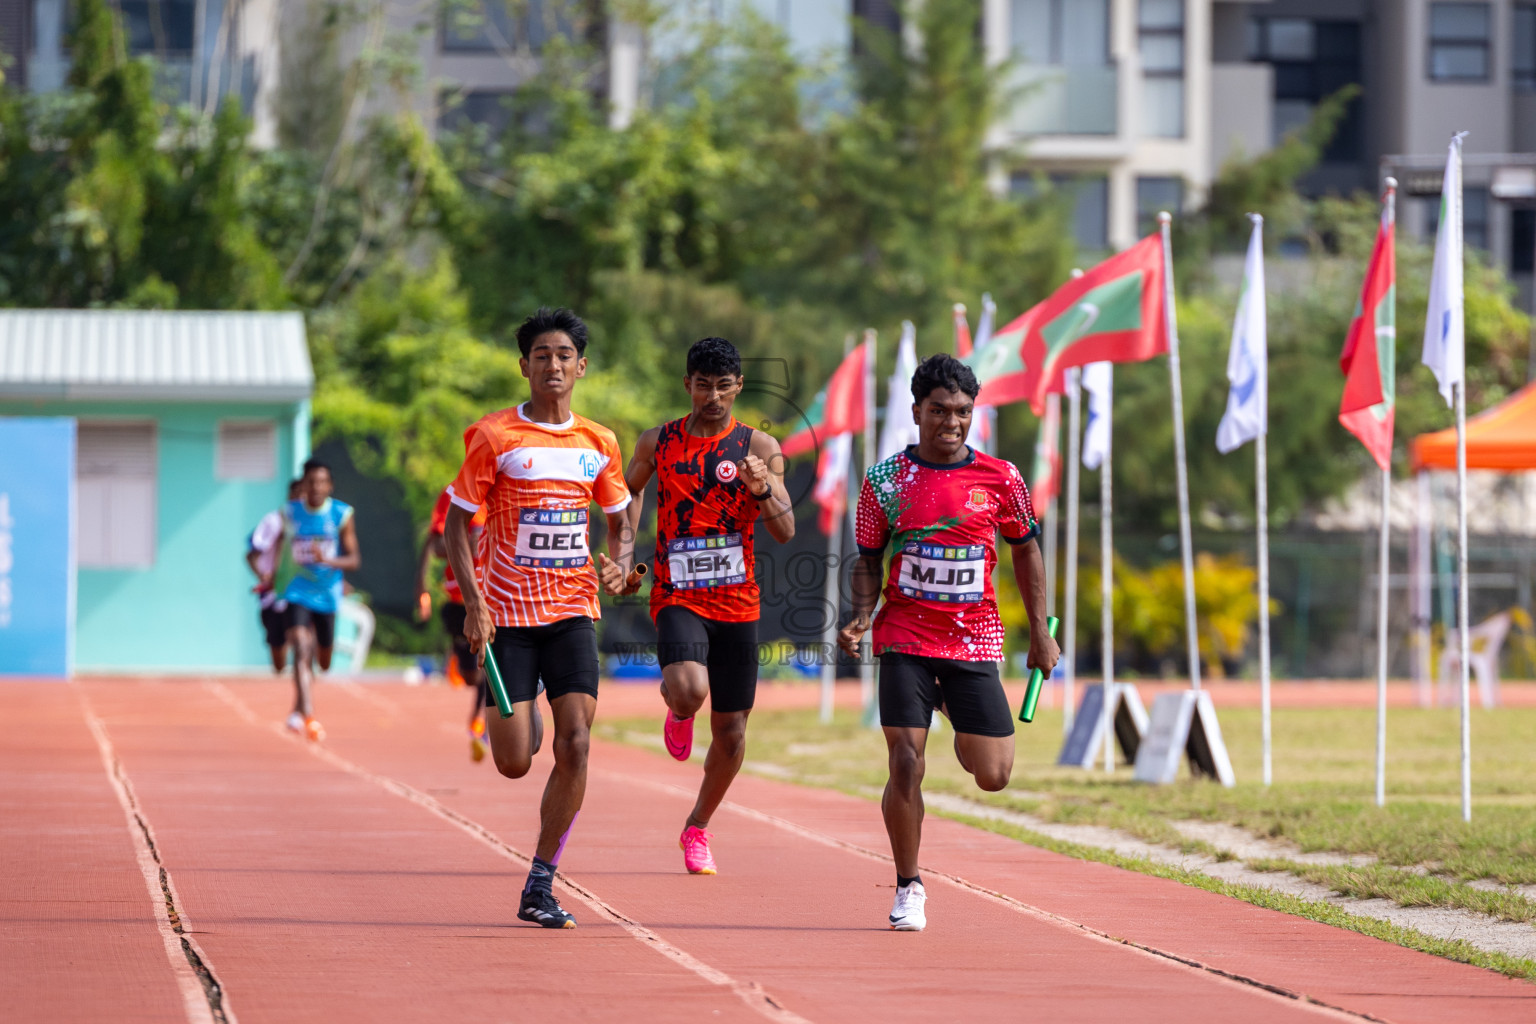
374	878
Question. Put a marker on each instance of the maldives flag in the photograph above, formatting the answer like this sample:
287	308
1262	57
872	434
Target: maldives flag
963	344
839	408
1113	314
1369	361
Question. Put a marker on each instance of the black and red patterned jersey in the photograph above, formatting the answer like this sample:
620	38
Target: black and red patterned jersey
704	524
941	523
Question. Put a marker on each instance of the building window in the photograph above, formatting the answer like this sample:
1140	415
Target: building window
246	450
115	476
1312	60
497	26
487	108
1160	32
1523	63
165	28
883	15
1073	33
1154	195
1522	241
1089	194
1459	48
1474	216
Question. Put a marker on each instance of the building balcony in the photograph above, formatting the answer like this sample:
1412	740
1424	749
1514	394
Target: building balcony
1064	100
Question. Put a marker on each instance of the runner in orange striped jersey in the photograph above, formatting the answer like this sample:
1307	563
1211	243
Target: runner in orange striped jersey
716	479
537	468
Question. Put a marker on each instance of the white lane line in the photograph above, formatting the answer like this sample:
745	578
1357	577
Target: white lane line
1247	983
202	996
750	993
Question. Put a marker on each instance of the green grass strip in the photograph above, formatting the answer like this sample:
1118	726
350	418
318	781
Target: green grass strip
1407	888
1325	913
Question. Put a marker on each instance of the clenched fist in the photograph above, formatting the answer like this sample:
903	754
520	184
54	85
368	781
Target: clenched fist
754	473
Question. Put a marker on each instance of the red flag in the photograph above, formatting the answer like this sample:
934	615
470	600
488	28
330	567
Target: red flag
962	332
831	491
1113	313
1045	477
839	407
1369	361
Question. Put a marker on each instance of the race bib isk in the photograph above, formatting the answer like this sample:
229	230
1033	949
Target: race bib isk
551	538
948	575
696	562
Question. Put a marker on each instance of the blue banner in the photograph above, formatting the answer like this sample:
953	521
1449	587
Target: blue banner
37	552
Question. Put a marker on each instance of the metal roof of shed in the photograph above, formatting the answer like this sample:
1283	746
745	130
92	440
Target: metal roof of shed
138	355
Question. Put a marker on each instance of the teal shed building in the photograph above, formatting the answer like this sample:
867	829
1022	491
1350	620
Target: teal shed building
189	426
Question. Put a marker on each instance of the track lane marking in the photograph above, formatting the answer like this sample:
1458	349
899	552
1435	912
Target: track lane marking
750	993
203	997
1277	992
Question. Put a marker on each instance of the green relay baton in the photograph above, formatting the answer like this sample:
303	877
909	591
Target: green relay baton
1037	678
498	688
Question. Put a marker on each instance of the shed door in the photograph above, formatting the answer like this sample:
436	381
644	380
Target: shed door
115	466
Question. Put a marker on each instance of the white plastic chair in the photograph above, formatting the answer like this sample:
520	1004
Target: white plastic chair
1487	639
354	635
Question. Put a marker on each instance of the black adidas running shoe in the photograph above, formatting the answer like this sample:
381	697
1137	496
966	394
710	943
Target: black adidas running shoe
541	907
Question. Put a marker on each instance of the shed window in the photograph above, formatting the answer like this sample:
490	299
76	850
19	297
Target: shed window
247	450
115	476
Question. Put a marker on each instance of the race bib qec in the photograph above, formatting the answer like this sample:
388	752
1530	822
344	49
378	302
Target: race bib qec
696	562
949	575
551	538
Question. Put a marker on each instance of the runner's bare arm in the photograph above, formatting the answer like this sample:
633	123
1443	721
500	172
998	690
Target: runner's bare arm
351	557
250	560
431	547
478	627
763	473
864	582
1029	574
613	571
642	466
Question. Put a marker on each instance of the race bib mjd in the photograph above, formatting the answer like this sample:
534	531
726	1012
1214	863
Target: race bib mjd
944	573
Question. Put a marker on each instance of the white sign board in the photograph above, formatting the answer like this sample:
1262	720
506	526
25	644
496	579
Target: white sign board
1183	723
1083	747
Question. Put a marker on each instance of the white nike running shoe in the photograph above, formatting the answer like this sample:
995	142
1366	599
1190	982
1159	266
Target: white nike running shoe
295	723
907	912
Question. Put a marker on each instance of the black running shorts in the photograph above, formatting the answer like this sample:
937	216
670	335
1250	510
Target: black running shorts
452	615
275	622
911	686
323	623
727	650
563	654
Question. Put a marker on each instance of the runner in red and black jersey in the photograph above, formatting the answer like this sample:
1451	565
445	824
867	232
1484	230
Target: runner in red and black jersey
715	479
939	506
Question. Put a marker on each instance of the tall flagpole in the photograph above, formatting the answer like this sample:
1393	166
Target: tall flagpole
1382	584
1186	542
1463	624
1107	575
1069	600
1074	468
832	599
867	664
1053	461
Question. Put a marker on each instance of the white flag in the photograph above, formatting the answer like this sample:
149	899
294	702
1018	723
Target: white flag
1444	327
898	431
988	318
1098	380
1248	363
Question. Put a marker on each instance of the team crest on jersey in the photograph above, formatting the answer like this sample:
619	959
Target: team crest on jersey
977	502
725	471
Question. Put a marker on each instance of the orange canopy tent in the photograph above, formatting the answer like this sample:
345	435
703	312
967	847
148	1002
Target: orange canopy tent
1502	438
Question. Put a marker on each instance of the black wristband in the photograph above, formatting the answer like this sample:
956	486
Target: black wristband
762	497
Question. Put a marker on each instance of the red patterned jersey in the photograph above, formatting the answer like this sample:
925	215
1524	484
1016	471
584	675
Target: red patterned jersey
440	526
941	523
536	481
704	524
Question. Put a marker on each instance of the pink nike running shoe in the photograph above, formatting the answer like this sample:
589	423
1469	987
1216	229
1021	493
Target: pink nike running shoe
678	734
694	843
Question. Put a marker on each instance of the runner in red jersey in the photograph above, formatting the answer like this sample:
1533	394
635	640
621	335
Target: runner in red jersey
715	480
939	506
537	468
